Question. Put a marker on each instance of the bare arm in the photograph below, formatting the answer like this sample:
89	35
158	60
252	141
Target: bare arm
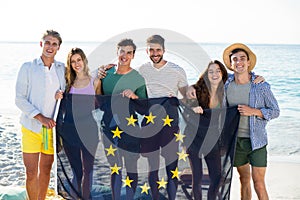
183	91
47	122
248	111
102	70
191	93
98	86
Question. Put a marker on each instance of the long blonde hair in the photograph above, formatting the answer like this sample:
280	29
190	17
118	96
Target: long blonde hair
70	74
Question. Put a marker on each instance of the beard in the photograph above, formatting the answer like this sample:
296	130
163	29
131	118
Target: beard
158	61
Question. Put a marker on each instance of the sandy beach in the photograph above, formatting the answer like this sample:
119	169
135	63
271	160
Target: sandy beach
282	180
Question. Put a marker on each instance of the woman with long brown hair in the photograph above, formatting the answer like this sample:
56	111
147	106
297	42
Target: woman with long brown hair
209	90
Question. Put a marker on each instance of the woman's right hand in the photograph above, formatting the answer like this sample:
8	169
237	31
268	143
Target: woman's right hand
198	109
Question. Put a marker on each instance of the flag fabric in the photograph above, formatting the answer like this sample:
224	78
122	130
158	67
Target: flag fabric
96	133
213	133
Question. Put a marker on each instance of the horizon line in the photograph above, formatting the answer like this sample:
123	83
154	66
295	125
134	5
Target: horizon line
83	41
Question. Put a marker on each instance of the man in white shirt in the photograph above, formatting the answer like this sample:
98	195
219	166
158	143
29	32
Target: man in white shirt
37	83
163	79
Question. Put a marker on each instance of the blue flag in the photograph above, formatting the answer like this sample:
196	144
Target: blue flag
102	142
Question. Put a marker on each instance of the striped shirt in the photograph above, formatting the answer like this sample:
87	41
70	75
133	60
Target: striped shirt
262	98
165	81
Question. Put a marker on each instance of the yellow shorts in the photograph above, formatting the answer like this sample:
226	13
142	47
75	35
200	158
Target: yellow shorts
37	142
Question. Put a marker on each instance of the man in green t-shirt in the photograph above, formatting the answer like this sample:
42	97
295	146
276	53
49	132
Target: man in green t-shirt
124	80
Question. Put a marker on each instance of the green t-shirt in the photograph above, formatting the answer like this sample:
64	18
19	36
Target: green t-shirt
115	83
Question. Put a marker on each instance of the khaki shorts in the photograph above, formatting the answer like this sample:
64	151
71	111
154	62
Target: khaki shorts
244	154
37	142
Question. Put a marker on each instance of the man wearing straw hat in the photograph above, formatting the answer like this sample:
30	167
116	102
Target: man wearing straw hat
257	105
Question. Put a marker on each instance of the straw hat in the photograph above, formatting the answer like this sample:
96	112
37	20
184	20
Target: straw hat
234	46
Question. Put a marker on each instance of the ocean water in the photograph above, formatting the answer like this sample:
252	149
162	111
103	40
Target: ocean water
279	64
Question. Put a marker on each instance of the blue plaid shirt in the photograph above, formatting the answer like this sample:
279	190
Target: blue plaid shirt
262	98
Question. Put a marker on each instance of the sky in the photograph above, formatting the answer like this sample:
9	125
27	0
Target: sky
210	21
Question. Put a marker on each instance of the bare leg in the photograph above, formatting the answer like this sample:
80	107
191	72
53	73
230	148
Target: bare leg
258	176
245	177
32	183
45	166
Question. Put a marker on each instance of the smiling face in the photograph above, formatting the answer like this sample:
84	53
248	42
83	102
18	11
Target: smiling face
77	64
155	52
125	55
240	62
50	46
214	74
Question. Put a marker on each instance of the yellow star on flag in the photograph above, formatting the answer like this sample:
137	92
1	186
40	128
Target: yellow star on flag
179	137
150	118
182	155
161	183
127	182
115	169
145	188
131	121
175	173
110	151
117	133
167	121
